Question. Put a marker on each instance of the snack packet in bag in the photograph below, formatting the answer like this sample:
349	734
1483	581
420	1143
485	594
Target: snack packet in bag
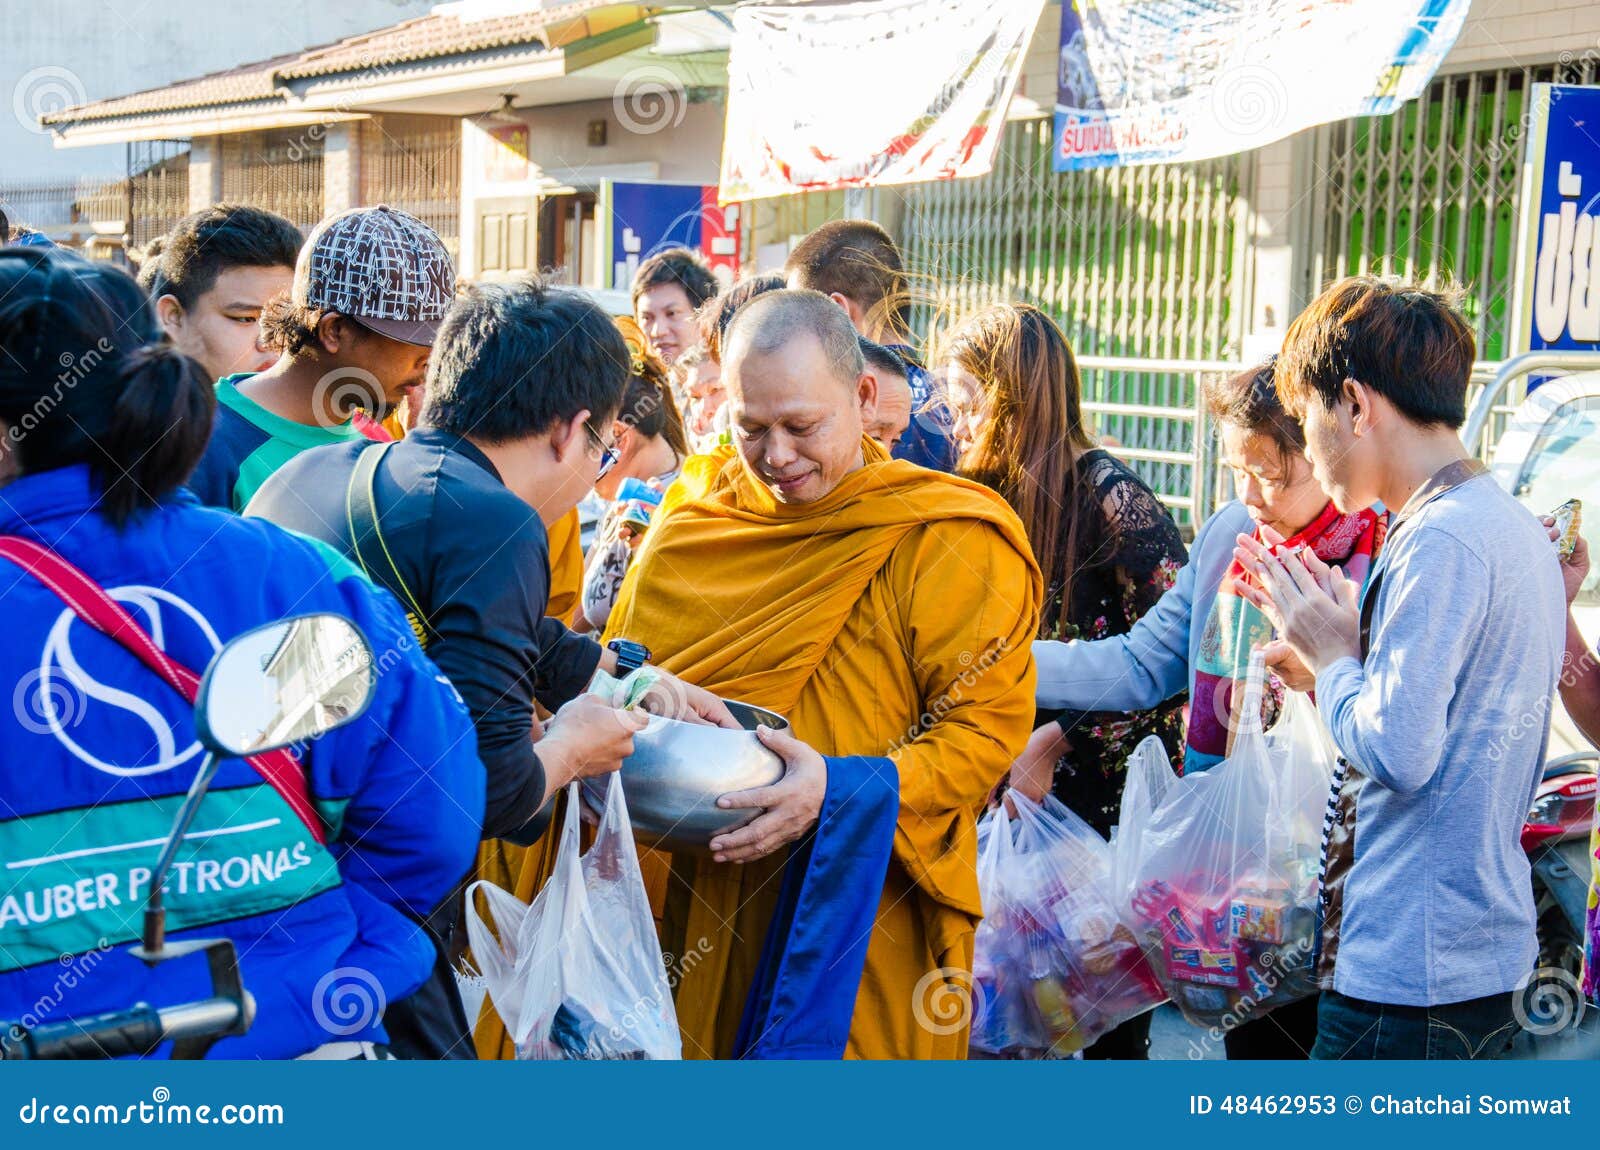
1219	876
1055	968
578	974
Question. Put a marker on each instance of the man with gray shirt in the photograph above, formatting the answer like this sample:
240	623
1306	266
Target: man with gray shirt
1435	682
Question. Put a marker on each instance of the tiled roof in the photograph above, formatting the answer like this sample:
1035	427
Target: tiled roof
234	86
424	38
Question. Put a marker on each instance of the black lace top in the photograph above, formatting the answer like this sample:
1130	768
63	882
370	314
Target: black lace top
1127	561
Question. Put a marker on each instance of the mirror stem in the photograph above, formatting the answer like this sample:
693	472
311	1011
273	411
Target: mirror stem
155	915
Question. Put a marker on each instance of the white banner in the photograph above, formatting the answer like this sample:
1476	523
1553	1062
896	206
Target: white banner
1160	81
868	93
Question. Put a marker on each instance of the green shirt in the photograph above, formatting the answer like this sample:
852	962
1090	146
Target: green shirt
248	443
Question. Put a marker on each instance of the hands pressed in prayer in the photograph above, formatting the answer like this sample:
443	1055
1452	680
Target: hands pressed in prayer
793	803
1313	607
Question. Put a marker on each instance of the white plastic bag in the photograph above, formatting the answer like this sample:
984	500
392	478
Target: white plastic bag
1055	967
1219	876
578	975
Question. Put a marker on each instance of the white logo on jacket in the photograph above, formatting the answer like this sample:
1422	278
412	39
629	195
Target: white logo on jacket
60	667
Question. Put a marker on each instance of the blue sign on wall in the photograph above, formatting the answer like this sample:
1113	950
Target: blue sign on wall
1559	266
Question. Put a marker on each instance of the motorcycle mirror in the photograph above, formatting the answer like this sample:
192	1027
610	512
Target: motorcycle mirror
284	683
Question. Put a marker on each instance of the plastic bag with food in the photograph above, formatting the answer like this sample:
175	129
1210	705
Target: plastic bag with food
1054	967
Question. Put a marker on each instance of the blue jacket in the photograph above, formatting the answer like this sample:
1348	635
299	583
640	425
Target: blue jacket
1156	659
92	774
927	441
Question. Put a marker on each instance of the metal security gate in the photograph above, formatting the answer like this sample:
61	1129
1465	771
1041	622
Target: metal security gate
1148	262
1432	192
281	172
158	188
414	163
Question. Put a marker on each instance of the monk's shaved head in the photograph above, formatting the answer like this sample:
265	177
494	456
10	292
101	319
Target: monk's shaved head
798	394
774	320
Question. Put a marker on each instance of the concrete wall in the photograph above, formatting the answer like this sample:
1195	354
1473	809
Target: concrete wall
60	52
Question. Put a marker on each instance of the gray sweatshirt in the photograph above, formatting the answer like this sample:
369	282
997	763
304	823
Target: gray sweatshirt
1447	722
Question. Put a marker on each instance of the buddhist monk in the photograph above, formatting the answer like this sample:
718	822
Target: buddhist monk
886	610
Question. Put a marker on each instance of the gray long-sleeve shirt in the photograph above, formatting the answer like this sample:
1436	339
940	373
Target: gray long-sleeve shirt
1447	721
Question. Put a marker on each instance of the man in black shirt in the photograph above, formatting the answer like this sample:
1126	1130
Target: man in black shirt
452	521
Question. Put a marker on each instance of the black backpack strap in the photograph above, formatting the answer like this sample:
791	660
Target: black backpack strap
367	544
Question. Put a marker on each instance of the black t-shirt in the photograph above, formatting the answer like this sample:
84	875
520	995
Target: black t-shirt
477	559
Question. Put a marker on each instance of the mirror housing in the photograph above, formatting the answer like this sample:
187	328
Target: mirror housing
284	683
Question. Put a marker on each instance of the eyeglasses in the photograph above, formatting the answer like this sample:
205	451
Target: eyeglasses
608	455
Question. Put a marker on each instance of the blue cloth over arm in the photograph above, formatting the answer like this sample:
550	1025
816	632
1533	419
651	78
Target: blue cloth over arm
804	992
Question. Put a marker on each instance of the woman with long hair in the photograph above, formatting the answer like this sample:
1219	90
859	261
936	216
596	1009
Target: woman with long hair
1107	547
650	446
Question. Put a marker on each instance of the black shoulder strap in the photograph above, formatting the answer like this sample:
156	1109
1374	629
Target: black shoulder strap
367	544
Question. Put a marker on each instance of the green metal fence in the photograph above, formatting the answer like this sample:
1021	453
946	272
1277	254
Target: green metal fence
1145	262
1432	192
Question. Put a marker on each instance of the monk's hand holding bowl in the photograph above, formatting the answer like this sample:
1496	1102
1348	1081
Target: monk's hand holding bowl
792	804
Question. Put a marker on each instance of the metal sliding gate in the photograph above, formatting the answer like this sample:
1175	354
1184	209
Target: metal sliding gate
1137	264
1432	192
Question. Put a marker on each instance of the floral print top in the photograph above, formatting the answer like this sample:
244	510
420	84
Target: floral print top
1127	562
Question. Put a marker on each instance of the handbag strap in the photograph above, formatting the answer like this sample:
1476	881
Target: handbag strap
362	521
89	602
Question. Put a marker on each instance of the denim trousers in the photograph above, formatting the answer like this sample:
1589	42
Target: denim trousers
1479	1028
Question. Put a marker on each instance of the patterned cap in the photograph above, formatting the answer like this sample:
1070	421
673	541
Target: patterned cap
383	268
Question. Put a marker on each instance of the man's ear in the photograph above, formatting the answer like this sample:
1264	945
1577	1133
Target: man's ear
850	308
1360	397
570	435
170	314
867	396
335	333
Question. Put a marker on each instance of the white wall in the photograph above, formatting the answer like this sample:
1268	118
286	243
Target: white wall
59	52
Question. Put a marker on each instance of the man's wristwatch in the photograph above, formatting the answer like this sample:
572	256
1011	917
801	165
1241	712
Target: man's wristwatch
630	655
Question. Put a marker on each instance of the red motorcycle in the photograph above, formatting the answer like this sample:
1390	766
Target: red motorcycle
1556	837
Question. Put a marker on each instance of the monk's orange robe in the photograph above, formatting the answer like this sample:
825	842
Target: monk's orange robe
893	617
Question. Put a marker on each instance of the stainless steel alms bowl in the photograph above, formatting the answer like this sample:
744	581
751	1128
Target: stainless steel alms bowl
678	771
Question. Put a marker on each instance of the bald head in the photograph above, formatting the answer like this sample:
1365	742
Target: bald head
774	321
798	396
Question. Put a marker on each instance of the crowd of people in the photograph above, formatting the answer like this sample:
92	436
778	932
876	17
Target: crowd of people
924	558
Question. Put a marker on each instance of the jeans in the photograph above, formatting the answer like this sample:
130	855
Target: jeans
1354	1028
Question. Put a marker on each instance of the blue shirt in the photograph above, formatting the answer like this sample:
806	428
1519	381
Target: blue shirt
927	441
1446	722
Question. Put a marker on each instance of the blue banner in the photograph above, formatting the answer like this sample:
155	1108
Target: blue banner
1560	253
996	1106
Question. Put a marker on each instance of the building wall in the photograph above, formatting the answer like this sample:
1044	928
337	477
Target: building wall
681	145
59	53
